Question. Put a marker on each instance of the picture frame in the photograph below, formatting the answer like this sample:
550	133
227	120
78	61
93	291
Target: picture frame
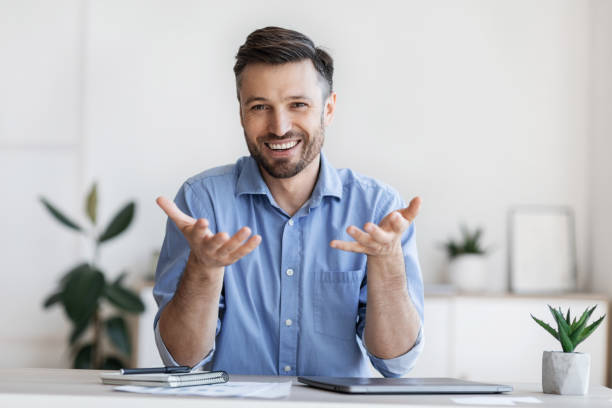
541	250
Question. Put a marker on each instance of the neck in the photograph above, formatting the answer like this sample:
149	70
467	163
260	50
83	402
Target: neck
291	193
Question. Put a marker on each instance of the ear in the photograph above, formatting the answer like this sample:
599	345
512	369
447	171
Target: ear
240	114
329	109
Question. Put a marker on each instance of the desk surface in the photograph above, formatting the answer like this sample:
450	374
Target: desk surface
82	388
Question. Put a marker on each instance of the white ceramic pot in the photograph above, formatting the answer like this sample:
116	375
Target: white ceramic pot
565	373
468	273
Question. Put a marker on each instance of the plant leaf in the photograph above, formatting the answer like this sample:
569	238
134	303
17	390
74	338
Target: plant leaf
119	279
567	316
581	324
59	216
112	363
545	325
120	222
74	270
118	333
91	204
563	329
590	329
123	298
78	330
84	357
81	292
51	300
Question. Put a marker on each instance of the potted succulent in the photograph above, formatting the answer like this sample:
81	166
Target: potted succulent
567	372
84	290
467	261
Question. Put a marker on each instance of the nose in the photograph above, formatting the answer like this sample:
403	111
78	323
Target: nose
280	123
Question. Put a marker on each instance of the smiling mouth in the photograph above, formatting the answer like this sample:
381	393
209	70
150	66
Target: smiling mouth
279	147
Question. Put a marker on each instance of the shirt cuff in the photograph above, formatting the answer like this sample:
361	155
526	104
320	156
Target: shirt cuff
167	358
400	365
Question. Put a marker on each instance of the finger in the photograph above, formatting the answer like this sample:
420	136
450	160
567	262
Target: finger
412	210
201	228
360	236
216	241
397	222
379	235
246	248
234	242
181	219
348	246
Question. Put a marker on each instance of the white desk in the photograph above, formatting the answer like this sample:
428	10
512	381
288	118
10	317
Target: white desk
83	389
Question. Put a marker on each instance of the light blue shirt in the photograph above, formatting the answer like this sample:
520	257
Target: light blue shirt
294	306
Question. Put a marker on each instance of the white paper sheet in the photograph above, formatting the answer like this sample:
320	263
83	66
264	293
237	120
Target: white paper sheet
500	400
228	389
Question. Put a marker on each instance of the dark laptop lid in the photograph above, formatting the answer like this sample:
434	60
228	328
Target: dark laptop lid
403	385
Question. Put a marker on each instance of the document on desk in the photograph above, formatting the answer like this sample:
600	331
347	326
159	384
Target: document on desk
230	389
501	400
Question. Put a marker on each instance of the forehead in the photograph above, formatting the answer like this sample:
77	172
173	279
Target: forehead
280	80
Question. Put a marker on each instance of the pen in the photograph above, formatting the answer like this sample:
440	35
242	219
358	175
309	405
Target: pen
156	370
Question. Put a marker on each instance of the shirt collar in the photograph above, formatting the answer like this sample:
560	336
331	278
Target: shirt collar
250	181
328	183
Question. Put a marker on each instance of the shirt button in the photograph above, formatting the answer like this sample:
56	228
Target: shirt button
291	222
287	368
288	322
289	272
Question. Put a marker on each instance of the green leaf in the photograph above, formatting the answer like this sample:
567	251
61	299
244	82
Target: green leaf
71	272
51	300
119	280
91	204
590	329
59	216
118	333
82	290
567	316
123	298
78	330
581	324
112	363
119	223
545	325
563	329
84	357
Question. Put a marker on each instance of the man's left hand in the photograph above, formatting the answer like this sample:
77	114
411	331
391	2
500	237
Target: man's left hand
384	239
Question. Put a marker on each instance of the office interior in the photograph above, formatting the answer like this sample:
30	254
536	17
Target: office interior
476	106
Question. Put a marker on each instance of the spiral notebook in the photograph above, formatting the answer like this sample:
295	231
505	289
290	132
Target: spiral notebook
165	380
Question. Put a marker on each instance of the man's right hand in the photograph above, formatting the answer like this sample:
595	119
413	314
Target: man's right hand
210	250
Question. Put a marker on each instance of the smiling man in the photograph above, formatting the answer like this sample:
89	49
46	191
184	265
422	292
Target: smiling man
299	288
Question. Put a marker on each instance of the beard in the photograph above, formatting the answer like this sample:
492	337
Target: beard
286	168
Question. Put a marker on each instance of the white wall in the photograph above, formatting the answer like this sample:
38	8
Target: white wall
600	199
39	155
474	105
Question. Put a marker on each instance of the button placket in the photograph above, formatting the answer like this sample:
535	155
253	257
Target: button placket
288	330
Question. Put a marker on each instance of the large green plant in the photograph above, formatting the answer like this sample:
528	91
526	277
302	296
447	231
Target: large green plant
83	290
570	332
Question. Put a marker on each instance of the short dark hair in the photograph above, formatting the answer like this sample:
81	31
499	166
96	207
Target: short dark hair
276	45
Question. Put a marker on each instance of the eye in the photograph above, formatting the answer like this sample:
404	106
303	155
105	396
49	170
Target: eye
258	107
299	105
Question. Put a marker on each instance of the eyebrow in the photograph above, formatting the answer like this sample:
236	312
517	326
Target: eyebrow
262	99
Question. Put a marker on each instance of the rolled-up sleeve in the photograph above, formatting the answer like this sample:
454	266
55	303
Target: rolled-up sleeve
172	260
400	365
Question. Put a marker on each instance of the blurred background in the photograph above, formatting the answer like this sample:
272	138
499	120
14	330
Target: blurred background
476	106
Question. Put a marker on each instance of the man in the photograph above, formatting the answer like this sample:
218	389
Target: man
288	293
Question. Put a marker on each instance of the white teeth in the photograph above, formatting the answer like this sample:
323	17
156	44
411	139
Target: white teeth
282	146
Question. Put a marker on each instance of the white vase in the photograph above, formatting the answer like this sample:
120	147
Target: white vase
565	373
468	273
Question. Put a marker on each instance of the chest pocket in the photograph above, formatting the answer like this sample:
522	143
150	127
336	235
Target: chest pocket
336	302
